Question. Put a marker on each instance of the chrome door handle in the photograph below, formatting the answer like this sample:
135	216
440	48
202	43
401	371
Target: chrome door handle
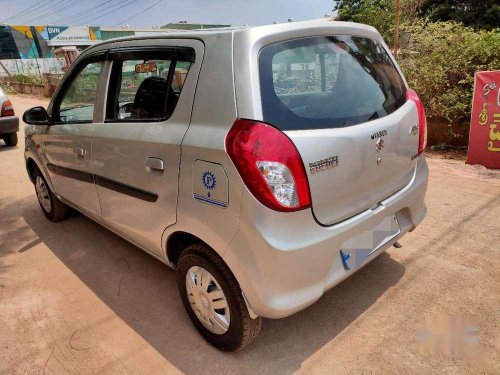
79	151
155	163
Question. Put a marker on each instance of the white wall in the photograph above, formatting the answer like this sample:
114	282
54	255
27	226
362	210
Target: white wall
31	66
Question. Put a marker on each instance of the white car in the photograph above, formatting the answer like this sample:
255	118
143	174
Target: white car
9	123
265	164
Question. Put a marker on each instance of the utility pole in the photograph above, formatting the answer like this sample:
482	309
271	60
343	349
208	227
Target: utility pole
396	29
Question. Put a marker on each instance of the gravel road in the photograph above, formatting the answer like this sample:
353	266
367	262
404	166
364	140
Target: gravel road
74	298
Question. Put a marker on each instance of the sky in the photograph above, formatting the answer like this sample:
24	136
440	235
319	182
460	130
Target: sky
158	12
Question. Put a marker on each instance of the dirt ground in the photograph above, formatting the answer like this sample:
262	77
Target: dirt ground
74	298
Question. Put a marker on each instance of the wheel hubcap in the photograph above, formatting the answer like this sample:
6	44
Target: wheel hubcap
207	300
42	193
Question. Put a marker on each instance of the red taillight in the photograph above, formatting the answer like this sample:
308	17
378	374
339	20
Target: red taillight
7	109
269	164
422	121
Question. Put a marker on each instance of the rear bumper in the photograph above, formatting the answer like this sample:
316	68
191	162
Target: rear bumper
284	262
9	124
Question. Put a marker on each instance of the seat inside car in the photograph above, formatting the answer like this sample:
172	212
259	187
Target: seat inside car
151	98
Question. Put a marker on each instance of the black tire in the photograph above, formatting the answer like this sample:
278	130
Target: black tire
58	210
10	139
242	328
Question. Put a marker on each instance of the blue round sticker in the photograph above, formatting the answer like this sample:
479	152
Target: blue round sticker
209	180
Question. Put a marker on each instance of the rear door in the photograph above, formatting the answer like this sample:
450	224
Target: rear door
342	102
136	150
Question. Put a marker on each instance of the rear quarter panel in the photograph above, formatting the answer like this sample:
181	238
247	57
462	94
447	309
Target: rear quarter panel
214	112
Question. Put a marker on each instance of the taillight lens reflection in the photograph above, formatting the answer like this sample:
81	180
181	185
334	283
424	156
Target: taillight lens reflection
422	120
7	109
269	164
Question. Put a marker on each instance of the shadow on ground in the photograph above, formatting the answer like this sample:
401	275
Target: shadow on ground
143	293
4	147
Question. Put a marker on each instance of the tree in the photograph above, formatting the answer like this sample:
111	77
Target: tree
479	14
377	13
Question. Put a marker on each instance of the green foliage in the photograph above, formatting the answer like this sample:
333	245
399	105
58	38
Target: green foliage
484	14
28	78
377	13
440	62
7	88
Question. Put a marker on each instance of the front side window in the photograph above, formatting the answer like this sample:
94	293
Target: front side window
78	100
145	88
328	82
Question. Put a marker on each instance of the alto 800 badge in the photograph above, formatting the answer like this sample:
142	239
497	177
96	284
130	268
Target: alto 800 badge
323	164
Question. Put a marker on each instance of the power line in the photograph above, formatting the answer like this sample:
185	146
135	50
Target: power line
49	12
110	12
138	14
85	17
83	12
29	10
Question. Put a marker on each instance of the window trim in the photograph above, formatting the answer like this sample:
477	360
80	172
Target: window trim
68	81
174	54
129	53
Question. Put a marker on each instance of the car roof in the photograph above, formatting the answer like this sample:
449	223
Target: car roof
280	28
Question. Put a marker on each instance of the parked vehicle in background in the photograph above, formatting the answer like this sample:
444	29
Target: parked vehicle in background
265	164
9	122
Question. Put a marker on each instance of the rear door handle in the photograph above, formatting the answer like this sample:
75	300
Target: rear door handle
155	163
79	151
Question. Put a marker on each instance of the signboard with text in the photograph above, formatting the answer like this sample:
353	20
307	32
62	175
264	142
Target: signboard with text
75	35
484	135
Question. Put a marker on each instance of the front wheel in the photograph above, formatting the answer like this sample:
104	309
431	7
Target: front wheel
10	139
213	299
52	207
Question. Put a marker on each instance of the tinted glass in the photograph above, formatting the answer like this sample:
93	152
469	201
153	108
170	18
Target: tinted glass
328	82
145	89
77	104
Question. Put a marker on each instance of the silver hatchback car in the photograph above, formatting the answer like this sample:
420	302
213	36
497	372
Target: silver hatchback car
265	164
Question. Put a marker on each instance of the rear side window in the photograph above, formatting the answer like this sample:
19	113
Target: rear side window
145	87
328	82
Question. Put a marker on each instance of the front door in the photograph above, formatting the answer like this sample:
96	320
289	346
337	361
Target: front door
67	144
136	151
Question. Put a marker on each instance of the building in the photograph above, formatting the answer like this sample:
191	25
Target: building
32	42
35	49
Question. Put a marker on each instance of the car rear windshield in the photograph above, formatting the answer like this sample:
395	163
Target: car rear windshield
328	82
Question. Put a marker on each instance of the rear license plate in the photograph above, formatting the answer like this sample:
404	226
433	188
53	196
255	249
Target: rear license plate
368	242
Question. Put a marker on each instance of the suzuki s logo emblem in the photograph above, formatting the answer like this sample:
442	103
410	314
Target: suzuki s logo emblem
414	130
379	145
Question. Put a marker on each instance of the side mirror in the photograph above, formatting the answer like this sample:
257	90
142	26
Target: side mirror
36	116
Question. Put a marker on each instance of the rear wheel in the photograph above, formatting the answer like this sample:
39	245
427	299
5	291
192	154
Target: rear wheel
213	299
10	139
52	207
